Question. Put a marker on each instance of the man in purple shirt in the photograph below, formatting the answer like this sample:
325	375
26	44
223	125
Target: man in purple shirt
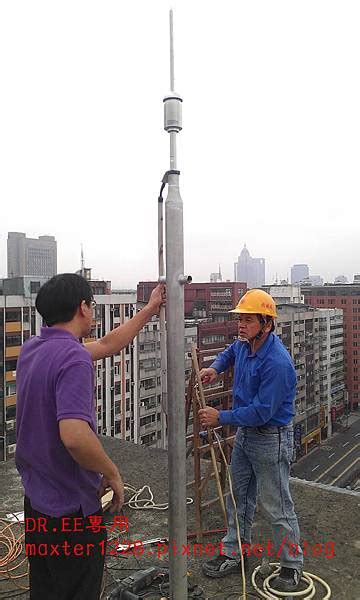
63	466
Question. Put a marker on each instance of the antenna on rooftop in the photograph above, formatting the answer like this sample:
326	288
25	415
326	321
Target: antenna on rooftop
175	280
82	259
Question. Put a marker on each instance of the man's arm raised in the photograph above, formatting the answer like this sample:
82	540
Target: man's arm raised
121	336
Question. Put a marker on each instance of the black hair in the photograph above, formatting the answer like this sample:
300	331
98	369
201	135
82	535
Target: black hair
59	298
264	319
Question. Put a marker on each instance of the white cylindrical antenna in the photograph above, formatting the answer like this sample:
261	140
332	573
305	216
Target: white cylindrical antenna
172	101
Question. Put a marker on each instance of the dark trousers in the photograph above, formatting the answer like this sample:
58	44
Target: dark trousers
66	555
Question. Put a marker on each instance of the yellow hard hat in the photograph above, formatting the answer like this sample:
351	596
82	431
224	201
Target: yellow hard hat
256	302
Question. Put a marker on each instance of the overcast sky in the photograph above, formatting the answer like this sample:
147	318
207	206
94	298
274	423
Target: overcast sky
270	148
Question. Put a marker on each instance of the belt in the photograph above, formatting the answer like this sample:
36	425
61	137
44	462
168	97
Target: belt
269	429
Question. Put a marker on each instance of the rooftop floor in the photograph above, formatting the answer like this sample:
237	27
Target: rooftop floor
327	516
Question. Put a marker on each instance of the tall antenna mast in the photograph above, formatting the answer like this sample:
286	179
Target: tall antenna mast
82	259
172	78
175	280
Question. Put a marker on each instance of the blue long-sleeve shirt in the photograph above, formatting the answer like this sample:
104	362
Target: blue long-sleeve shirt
264	384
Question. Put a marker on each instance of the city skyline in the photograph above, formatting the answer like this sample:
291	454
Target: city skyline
276	279
83	149
315	332
29	256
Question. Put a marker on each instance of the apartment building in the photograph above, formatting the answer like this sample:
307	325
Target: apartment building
347	298
151	423
314	339
115	391
18	321
115	387
128	391
333	393
150	428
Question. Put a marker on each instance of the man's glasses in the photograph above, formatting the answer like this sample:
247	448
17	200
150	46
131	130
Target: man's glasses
92	303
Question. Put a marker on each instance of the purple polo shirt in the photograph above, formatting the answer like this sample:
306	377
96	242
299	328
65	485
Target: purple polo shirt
54	380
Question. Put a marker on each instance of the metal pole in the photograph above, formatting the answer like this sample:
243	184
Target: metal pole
162	330
172	150
175	349
176	386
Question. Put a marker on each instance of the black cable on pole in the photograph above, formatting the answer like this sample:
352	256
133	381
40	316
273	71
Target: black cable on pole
165	180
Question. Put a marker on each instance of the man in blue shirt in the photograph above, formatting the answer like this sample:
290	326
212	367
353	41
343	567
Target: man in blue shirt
263	408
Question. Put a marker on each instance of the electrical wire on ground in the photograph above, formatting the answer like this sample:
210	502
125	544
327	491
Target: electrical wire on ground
137	502
11	540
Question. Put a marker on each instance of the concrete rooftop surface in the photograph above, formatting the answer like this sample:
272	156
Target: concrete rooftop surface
329	518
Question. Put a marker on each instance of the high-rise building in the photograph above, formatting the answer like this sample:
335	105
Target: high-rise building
299	272
150	424
28	256
346	297
18	321
249	269
314	338
115	376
